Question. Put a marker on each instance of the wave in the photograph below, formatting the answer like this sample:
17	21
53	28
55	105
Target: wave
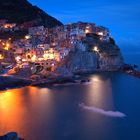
102	112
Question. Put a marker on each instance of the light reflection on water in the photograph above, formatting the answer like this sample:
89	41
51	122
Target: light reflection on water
19	109
100	92
10	105
54	114
99	95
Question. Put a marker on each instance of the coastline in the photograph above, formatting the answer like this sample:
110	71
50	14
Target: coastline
11	82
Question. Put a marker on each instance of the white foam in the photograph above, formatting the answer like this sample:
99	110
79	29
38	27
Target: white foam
103	112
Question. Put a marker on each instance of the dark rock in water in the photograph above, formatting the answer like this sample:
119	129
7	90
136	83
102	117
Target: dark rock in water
85	80
127	67
10	136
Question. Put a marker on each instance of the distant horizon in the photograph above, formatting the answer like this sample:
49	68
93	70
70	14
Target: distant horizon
121	17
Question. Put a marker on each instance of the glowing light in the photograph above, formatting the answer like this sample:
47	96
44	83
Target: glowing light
7	44
1	57
6	26
53	64
45	56
48	56
96	49
87	31
7	47
96	79
33	58
87	27
40	59
24	60
27	37
100	33
53	44
18	58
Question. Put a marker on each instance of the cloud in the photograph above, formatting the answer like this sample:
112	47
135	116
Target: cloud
102	112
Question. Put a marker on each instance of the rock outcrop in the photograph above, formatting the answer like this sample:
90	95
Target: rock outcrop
10	136
12	82
83	61
107	58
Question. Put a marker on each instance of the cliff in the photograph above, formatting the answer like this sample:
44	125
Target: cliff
20	11
106	58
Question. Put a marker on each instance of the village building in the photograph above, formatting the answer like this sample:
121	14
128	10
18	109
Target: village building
48	48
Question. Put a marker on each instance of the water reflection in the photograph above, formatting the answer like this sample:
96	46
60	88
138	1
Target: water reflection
100	92
54	114
11	110
22	110
37	110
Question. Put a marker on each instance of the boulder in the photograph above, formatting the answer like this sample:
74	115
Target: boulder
10	136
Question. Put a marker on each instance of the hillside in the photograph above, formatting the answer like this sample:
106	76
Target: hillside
20	11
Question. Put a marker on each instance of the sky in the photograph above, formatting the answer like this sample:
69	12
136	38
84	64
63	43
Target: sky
122	17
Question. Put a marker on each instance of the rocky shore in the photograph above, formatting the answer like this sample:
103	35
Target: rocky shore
134	73
131	70
10	136
60	81
7	82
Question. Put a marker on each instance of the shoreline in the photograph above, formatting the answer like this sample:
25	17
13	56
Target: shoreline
130	70
134	73
12	82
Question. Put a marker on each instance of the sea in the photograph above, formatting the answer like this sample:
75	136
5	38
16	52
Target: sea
106	108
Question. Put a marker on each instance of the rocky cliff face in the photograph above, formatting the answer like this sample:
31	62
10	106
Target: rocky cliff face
110	60
83	61
107	58
20	11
